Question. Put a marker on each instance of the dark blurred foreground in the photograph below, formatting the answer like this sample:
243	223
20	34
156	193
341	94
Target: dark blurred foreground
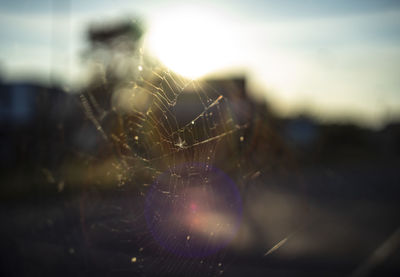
331	190
319	199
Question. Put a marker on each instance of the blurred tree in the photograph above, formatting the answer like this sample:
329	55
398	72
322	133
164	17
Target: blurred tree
114	56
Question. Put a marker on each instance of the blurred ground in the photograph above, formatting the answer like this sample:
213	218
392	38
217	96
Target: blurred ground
333	225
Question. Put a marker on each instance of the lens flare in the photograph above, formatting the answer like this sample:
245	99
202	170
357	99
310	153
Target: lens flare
195	212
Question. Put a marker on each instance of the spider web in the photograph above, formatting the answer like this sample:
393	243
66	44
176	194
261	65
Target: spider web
159	123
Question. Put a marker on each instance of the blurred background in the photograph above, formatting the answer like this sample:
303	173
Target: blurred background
297	102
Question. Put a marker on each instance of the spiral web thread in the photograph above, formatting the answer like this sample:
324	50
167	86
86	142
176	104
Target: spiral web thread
167	121
152	137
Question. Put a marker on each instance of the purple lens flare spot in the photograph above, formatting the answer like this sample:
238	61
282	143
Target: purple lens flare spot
194	210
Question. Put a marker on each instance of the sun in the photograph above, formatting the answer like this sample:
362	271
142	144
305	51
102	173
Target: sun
191	41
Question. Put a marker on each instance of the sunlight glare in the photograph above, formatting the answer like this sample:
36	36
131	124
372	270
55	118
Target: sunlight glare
191	41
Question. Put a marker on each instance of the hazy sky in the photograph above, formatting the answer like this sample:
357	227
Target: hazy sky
336	59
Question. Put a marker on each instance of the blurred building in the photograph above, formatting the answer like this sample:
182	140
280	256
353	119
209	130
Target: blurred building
35	123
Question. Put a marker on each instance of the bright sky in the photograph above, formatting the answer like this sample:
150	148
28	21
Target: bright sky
334	59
